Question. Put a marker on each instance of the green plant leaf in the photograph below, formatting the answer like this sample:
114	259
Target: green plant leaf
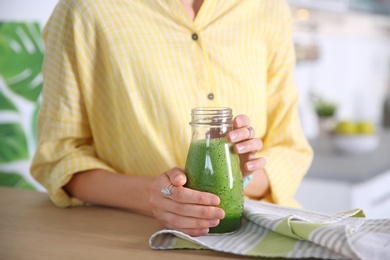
325	108
6	103
13	143
21	57
15	180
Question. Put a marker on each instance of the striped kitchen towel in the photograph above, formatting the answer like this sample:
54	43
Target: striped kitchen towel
270	230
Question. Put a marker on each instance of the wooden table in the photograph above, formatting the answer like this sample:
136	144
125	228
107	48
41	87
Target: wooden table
31	227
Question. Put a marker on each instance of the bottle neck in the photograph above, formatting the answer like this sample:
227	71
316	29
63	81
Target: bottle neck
210	123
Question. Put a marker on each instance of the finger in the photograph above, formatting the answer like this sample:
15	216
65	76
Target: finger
190	196
176	176
241	121
178	222
245	133
195	211
240	134
254	165
252	145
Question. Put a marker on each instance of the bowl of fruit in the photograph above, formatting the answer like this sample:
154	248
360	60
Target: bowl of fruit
355	137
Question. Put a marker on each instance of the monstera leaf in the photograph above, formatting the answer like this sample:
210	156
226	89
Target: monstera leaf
21	56
14	180
13	143
6	103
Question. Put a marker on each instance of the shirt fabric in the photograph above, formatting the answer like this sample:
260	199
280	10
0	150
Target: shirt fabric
121	78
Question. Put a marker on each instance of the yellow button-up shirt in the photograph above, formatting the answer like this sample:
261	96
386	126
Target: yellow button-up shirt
121	78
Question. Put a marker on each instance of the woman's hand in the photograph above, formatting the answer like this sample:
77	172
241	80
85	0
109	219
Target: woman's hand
246	145
186	210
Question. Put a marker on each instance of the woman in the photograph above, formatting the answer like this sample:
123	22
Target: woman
120	79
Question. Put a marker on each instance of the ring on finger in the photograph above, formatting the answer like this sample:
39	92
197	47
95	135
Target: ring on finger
167	191
251	131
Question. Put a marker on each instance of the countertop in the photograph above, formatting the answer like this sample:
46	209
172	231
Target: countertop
329	163
31	227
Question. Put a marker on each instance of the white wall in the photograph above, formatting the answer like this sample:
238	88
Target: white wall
353	69
26	10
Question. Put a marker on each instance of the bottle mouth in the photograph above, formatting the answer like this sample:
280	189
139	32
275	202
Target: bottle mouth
212	116
226	111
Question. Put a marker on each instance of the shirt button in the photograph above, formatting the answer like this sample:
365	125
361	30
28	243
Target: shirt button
194	37
210	96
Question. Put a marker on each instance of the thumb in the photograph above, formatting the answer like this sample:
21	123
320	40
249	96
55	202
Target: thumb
176	176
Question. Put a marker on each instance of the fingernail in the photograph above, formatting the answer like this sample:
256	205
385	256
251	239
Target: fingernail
214	201
250	166
213	222
233	136
219	214
179	178
203	231
240	147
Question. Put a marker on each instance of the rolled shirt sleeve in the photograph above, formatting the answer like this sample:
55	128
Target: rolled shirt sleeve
65	142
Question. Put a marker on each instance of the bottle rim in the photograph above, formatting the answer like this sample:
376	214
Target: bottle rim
212	111
212	116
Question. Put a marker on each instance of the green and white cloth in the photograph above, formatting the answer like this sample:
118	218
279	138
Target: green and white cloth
269	230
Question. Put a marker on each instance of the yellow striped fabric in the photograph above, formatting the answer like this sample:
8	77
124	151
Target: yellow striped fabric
121	77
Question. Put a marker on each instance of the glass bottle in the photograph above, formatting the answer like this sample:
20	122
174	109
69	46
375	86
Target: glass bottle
212	165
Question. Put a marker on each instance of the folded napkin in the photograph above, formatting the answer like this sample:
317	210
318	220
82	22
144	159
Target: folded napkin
270	230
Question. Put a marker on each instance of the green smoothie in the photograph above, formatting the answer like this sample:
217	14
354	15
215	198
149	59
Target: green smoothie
212	166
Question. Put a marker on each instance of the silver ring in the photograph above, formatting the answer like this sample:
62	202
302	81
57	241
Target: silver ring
251	131
167	191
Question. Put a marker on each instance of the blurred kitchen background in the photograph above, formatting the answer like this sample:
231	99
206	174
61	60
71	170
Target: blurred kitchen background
342	73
